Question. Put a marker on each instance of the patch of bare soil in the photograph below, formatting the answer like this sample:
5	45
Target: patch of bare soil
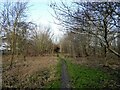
33	70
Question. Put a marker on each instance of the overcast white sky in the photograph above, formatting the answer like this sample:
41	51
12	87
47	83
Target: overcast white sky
40	13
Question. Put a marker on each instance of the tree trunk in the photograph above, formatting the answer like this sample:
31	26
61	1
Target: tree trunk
105	51
12	58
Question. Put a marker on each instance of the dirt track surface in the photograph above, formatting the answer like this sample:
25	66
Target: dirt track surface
64	77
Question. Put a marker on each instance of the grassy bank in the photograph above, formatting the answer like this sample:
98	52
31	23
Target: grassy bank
56	83
84	77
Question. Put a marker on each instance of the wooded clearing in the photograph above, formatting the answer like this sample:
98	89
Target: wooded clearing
85	55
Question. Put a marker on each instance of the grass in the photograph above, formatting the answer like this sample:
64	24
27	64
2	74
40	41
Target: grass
45	72
56	83
35	72
84	77
36	80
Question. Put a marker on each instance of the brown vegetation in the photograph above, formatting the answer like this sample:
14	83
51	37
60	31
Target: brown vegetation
92	38
22	70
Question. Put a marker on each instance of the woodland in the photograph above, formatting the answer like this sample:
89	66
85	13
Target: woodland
87	55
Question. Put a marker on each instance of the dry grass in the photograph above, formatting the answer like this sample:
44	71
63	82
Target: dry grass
91	61
23	69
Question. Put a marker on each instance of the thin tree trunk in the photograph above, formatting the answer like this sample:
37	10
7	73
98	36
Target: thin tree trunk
12	58
105	51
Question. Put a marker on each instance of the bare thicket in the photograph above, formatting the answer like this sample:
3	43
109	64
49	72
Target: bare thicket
42	41
24	38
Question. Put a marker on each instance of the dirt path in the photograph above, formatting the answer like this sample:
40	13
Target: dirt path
65	78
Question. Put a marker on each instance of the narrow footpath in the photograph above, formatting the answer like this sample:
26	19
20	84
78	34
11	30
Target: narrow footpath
65	81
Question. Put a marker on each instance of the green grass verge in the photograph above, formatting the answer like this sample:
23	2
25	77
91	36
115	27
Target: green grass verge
56	83
85	77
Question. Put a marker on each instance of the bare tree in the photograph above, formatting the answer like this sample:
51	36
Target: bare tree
12	14
98	19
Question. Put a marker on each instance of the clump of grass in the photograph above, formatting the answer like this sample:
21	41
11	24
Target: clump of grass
86	77
10	81
36	80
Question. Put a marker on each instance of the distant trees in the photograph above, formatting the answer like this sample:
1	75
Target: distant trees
76	45
94	24
42	41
